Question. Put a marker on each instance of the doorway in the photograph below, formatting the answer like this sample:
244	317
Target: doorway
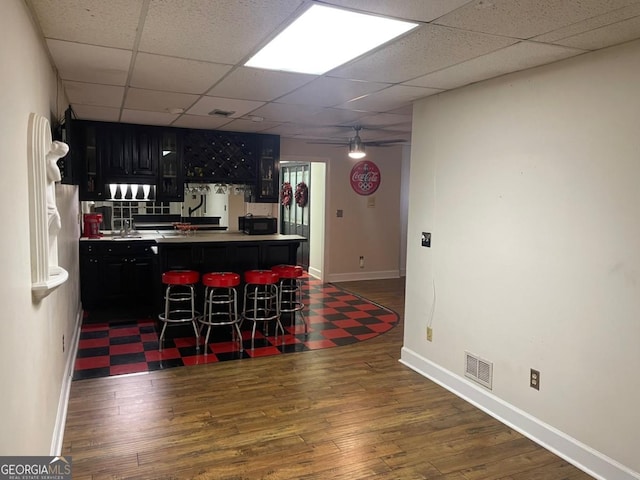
295	218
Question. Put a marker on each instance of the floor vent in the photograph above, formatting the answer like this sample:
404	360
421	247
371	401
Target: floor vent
478	369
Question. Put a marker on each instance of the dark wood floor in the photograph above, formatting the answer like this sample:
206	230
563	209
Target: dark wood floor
349	412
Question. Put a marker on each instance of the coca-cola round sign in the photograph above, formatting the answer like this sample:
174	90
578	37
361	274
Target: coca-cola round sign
365	177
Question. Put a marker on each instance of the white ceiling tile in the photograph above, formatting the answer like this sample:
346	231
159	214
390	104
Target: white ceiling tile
335	116
285	112
606	36
403	9
390	98
94	94
526	18
194	28
243	125
427	49
88	63
155	101
403	110
110	23
157	72
239	107
590	24
147	118
256	84
91	112
513	58
328	91
387	120
197	121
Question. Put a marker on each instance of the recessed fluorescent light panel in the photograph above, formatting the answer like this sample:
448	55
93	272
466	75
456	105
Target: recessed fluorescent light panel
323	38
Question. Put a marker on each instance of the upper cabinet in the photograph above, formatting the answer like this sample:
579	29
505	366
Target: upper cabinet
214	156
85	154
268	169
167	157
170	173
129	152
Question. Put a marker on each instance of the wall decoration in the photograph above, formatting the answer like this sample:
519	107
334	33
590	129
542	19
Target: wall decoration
302	194
286	193
44	219
365	177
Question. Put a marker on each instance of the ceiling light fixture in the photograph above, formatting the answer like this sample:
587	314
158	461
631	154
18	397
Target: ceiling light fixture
323	38
356	148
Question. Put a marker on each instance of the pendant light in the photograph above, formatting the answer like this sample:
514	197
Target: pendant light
356	148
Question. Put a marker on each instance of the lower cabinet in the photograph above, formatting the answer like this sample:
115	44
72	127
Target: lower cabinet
119	273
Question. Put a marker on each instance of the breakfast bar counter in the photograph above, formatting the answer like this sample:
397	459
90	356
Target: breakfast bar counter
128	269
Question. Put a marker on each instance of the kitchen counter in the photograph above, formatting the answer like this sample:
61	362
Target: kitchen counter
201	236
127	270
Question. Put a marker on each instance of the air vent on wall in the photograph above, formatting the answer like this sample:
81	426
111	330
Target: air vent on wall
478	369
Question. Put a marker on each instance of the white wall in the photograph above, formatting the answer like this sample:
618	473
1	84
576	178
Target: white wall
530	184
370	231
33	363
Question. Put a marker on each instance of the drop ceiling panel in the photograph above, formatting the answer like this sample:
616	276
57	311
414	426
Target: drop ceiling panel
155	101
110	23
513	58
88	63
256	84
197	121
526	18
603	37
428	49
91	112
403	9
328	91
147	118
157	72
591	23
285	112
385	120
242	125
94	94
335	116
390	98
238	107
224	31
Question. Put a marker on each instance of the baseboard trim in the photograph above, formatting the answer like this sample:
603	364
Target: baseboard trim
582	456
356	276
65	390
315	273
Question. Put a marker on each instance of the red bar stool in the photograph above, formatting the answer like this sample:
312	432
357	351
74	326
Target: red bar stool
179	292
290	291
221	303
260	302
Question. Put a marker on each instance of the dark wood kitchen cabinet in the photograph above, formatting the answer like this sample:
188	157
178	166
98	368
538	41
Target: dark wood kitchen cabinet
214	156
86	140
170	186
119	273
267	186
129	153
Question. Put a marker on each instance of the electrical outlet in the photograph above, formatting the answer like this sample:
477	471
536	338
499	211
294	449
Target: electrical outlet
361	262
534	379
429	334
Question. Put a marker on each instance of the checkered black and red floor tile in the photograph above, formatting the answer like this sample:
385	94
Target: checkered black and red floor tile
335	317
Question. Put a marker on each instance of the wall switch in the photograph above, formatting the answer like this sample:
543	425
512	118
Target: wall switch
339	213
429	334
534	379
361	262
426	239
